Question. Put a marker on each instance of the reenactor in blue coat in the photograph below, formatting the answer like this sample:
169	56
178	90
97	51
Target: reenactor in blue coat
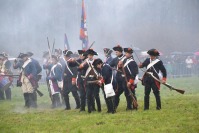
107	78
38	76
156	67
28	80
80	78
54	78
70	74
120	78
91	74
131	73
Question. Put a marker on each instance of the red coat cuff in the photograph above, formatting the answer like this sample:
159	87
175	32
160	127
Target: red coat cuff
73	79
131	81
164	78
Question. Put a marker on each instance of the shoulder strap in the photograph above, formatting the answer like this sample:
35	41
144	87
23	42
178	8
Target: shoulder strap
153	63
68	67
128	62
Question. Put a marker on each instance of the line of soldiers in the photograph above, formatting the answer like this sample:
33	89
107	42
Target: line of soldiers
87	75
83	76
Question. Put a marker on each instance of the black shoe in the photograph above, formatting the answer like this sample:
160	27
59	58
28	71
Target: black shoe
99	110
82	110
89	111
146	109
77	107
158	108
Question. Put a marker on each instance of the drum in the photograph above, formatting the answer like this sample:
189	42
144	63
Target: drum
4	82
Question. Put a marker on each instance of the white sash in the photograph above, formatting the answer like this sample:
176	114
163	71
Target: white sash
25	64
152	63
68	67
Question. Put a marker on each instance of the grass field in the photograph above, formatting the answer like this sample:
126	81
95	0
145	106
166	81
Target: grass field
180	113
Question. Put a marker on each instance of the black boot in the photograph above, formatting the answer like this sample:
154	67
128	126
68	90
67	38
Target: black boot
129	103
53	102
66	98
35	98
98	104
26	99
158	102
108	104
77	100
146	102
31	100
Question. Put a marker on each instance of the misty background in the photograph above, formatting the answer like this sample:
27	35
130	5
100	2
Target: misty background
168	25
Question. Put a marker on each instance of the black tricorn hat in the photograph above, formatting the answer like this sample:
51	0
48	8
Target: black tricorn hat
128	50
21	55
29	54
108	51
118	48
91	51
81	51
67	52
97	61
153	52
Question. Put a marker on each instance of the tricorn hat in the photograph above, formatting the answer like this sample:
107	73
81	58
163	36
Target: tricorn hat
81	51
29	54
67	52
118	48
91	51
21	55
128	50
97	61
153	52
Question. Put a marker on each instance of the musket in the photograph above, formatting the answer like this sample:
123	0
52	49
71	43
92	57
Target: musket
49	49
134	101
91	45
166	84
53	46
10	75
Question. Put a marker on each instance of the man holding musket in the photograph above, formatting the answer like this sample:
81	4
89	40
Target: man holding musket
70	74
90	75
28	80
156	67
131	72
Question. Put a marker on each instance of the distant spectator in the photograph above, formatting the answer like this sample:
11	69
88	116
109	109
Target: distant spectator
189	64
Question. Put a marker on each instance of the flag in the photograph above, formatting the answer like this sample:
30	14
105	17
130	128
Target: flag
66	44
83	28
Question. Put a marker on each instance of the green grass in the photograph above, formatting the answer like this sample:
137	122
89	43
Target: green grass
179	114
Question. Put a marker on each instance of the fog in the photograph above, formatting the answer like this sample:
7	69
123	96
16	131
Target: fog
168	25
